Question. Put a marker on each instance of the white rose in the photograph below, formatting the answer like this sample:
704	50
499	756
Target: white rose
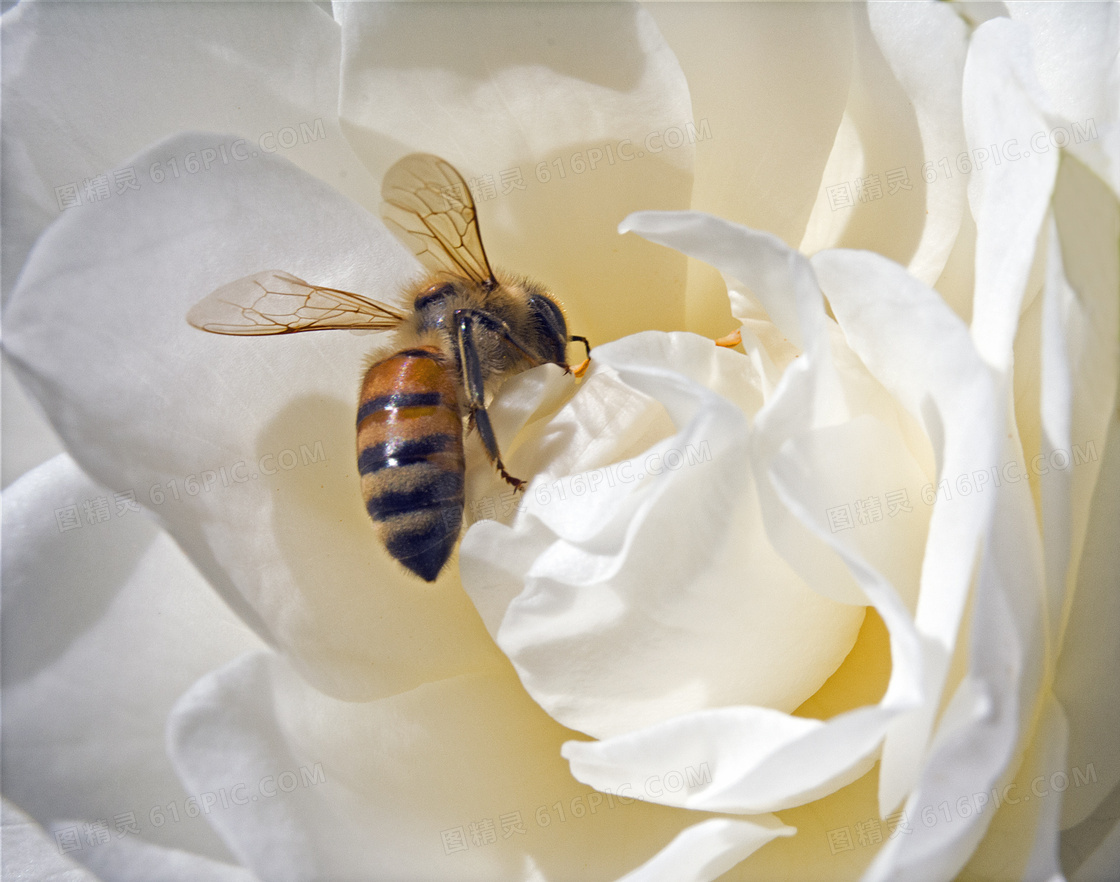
914	689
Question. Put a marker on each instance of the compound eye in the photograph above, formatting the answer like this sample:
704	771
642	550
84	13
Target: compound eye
552	330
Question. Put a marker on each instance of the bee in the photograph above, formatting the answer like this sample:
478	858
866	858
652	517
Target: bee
467	329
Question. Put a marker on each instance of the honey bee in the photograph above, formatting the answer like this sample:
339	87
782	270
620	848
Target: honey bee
468	328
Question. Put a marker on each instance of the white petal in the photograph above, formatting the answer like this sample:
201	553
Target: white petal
708	850
1088	220
568	106
160	68
1078	368
259	430
887	316
772	106
1064	411
1074	51
1002	104
1090	657
104	615
782	282
29	439
399	788
30	854
902	114
1023	836
1018	819
986	719
924	44
231	748
133	860
1053	734
975	748
779	277
816	391
744	760
601	595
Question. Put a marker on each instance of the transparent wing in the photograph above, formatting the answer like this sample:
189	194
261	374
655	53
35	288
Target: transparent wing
429	208
276	302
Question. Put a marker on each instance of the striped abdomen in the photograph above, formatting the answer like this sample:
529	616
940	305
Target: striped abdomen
410	457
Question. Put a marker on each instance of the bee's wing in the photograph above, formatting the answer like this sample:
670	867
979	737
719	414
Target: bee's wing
429	208
275	302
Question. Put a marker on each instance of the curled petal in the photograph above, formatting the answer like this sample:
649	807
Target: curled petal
709	849
600	591
766	109
745	760
882	189
1009	201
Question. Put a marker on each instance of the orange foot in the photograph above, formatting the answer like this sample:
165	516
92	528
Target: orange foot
732	339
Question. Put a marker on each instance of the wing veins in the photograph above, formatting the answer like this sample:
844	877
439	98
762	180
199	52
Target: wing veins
241	308
426	180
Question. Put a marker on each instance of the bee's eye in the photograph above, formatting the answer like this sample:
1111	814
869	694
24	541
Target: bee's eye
552	330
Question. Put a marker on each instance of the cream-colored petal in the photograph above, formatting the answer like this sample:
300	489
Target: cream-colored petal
772	102
1089	662
1088	317
809	393
30	853
745	760
1003	105
883	189
86	86
601	590
1020	818
982	727
459	779
1074	48
1078	369
581	117
925	45
100	614
133	860
887	316
29	440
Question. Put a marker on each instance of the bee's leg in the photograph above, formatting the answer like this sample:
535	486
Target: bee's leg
580	369
465	323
